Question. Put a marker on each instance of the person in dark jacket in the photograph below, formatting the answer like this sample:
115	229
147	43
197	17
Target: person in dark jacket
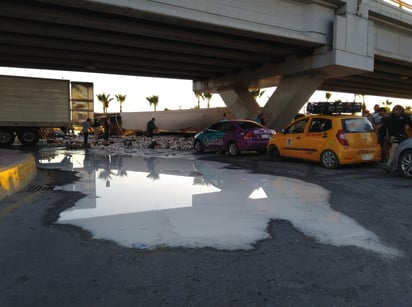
393	127
150	127
86	126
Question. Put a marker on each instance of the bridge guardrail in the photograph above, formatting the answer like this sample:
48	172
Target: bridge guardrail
402	4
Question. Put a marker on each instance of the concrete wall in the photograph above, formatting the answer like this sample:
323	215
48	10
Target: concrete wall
173	120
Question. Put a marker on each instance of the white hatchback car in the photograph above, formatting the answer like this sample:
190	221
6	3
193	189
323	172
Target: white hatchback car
405	158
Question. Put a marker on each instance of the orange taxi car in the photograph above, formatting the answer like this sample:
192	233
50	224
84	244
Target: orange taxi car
332	140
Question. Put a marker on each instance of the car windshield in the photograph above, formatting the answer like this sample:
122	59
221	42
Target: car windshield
360	124
297	127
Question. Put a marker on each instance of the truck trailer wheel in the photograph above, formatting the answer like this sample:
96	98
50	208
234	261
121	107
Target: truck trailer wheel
6	137
28	136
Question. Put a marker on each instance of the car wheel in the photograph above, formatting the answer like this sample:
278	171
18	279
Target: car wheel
6	137
328	159
198	146
28	137
405	163
273	152
233	149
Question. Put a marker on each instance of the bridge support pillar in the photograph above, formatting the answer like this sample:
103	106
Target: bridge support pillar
289	97
240	102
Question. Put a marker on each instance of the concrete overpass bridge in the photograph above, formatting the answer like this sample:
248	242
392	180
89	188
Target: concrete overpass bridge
225	47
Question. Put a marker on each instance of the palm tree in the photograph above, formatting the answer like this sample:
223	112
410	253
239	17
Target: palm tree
153	100
198	96
327	96
387	105
120	99
207	96
105	100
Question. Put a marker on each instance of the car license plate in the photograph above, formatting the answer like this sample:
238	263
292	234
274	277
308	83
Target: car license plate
366	156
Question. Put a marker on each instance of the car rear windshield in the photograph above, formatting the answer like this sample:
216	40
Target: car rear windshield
360	124
249	125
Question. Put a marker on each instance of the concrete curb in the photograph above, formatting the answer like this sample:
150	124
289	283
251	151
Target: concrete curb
17	170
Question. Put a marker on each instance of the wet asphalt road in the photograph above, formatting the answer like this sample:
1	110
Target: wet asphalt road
43	264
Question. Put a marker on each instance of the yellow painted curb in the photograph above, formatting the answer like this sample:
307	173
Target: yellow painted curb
17	175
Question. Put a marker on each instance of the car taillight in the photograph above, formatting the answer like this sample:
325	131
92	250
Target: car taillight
341	136
248	135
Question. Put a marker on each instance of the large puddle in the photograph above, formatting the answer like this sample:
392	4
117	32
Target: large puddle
151	201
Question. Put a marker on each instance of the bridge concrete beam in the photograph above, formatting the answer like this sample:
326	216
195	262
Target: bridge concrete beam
290	96
299	79
331	63
350	52
240	102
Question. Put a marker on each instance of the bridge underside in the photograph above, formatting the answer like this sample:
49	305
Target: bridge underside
102	38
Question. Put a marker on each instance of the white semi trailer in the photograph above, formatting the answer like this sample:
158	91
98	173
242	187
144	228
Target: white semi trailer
29	104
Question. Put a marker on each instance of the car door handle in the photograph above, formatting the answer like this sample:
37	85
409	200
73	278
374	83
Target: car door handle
298	137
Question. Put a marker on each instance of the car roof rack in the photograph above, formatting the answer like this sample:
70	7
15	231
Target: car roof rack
333	108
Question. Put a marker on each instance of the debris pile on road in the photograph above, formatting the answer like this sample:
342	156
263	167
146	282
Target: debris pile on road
140	142
143	142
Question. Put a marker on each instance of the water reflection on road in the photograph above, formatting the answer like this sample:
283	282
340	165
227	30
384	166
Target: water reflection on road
150	201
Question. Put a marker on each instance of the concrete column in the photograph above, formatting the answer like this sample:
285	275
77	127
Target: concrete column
240	102
289	97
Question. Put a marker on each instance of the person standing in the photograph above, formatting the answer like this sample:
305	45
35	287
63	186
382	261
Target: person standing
150	127
393	126
375	113
96	128
86	128
377	122
378	117
260	119
106	133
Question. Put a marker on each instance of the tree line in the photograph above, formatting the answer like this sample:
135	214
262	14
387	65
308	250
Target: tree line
153	100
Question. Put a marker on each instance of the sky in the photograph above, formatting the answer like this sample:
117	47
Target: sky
173	94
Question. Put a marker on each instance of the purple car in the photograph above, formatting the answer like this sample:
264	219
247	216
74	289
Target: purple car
233	136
